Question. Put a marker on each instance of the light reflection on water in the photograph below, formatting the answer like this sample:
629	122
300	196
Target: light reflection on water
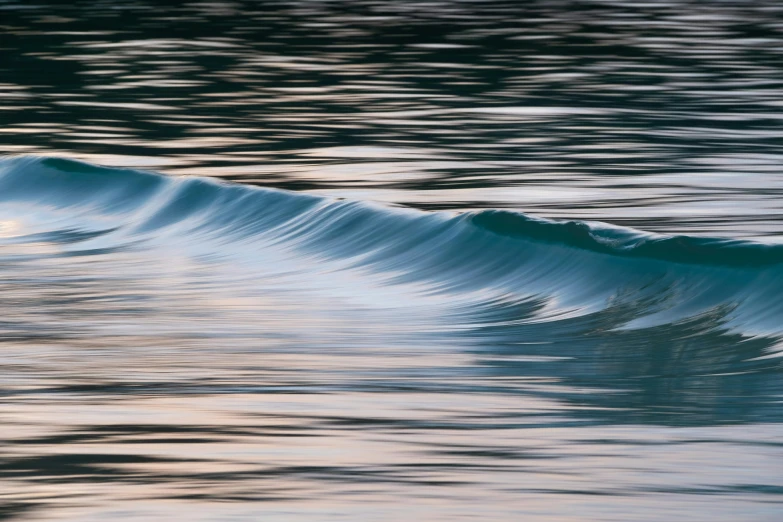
215	379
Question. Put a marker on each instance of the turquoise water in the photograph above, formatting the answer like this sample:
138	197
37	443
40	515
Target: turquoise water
358	261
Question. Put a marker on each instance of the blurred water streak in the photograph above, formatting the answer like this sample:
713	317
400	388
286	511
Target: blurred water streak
664	115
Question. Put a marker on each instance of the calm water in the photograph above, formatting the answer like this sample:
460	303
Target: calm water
380	321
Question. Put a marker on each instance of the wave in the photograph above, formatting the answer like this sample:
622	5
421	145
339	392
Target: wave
623	323
493	260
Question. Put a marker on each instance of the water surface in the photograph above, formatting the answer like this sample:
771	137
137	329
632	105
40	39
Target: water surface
380	320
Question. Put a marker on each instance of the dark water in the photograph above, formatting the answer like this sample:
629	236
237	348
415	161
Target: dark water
176	347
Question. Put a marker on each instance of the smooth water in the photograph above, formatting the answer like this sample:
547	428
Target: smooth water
381	320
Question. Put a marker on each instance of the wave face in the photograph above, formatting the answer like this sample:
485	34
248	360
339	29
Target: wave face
128	285
473	258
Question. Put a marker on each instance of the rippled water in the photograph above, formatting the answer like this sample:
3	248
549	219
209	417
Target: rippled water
402	331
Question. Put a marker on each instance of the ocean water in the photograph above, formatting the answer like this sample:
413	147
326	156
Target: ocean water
332	260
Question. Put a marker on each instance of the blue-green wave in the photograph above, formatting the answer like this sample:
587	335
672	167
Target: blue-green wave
504	256
598	306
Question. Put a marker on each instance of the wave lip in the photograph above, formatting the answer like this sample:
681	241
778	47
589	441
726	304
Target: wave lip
627	242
